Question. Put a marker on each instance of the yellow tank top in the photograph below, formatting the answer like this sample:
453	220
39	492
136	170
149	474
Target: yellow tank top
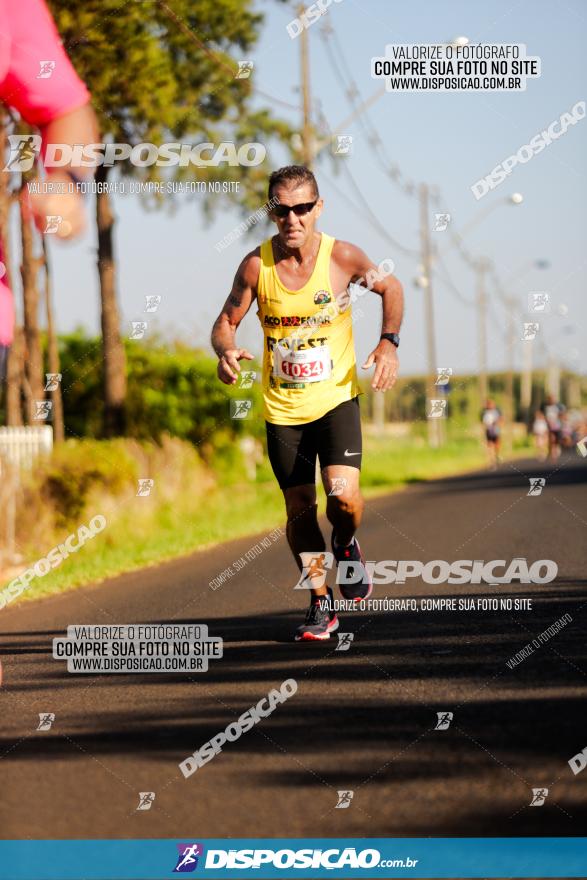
308	353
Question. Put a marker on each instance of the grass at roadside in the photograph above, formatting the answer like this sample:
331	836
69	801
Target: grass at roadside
139	534
392	464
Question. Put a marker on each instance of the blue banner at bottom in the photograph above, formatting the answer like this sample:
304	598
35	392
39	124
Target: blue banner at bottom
463	857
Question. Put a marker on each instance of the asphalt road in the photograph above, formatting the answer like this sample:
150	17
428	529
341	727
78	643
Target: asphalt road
361	720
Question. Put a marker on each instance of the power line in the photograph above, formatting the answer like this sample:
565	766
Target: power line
374	219
189	32
368	212
390	168
450	283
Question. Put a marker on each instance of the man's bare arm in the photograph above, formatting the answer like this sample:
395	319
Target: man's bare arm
238	303
360	269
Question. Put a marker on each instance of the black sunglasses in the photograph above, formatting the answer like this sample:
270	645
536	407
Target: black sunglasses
299	210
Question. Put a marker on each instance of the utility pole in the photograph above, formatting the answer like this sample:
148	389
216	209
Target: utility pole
574	392
53	354
481	268
526	390
509	383
307	139
434	427
553	376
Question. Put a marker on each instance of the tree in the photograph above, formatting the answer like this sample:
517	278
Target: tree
15	359
52	353
159	74
29	270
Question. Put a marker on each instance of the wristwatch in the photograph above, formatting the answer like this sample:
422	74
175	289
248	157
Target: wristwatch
391	337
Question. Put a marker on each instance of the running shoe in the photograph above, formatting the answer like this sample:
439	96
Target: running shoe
320	620
363	588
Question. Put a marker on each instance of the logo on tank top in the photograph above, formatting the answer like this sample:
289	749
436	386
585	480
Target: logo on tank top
270	299
322	297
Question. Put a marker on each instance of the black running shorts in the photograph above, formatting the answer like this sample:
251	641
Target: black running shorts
335	438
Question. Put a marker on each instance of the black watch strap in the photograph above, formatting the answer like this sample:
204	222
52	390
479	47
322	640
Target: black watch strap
391	337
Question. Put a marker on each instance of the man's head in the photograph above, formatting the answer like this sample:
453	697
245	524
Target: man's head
295	185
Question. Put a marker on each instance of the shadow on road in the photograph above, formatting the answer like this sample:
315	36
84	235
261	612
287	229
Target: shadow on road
516	474
366	698
374	707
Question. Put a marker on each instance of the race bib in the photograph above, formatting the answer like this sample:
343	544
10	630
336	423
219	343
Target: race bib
308	365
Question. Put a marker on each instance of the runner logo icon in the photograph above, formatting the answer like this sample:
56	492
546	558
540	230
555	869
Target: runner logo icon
539	796
46	719
537	484
444	719
344	800
314	567
187	860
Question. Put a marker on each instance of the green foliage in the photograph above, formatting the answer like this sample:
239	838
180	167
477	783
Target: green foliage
76	469
407	401
177	391
171	390
188	508
81	367
83	478
389	462
161	72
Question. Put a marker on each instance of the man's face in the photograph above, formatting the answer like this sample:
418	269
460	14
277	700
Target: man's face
293	230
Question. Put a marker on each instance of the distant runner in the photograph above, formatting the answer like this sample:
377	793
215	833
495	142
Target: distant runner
492	421
552	413
299	278
540	432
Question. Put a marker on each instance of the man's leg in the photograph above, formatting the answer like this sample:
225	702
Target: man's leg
491	451
340	451
498	450
304	536
292	451
345	507
303	531
488	450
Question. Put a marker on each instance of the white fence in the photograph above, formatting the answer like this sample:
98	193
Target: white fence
21	446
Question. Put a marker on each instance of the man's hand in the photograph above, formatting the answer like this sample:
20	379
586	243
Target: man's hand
68	206
228	365
386	365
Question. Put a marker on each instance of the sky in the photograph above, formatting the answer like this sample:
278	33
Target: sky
448	140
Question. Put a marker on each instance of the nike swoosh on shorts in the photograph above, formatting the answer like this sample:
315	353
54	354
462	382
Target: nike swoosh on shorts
347	453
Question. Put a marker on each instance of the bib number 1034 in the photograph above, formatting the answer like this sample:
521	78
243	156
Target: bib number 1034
312	365
303	371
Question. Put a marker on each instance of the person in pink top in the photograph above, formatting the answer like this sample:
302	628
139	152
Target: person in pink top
38	80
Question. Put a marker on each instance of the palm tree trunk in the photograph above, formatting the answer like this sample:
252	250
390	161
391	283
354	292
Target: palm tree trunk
15	379
53	355
29	269
5	200
114	355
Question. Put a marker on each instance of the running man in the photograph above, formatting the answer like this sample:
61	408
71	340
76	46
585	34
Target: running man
553	411
492	421
299	278
540	432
